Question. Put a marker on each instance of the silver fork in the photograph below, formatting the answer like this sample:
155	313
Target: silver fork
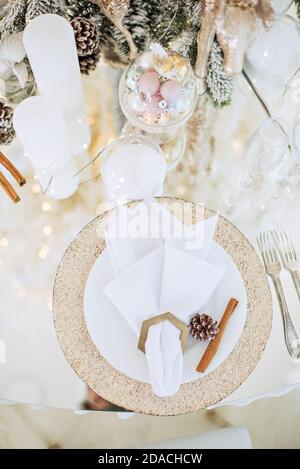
284	239
273	269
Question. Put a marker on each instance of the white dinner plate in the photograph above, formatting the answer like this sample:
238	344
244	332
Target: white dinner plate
117	342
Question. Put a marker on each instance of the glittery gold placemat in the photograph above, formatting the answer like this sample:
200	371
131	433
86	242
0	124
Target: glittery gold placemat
94	370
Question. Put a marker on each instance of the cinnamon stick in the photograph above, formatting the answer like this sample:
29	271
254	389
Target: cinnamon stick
9	189
214	344
12	169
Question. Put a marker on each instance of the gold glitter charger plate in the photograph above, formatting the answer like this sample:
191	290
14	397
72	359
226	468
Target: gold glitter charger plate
114	386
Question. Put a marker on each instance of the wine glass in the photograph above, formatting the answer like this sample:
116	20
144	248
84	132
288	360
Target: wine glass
157	95
257	183
281	6
133	167
274	55
288	174
265	152
267	146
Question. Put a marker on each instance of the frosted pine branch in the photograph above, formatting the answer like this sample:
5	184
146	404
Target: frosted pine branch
219	84
41	7
13	20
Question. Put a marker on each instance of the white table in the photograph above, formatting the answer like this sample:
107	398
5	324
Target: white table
58	386
34	369
276	374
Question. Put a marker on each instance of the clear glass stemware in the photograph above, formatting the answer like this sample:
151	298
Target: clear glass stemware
133	167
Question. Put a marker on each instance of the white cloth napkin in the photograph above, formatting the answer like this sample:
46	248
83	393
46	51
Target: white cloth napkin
157	275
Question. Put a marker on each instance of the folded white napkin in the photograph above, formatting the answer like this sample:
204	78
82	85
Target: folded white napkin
157	275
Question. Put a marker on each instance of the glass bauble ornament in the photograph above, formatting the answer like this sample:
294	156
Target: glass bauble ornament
158	91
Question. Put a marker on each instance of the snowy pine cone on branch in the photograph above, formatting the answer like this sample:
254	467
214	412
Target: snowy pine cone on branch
173	23
86	36
7	132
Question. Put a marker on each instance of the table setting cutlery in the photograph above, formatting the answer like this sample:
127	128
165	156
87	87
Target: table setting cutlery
285	243
277	250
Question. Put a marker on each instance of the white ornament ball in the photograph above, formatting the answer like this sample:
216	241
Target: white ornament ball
136	102
158	50
145	60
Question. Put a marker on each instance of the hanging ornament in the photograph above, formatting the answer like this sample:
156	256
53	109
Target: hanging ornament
211	10
265	11
205	40
236	27
115	11
235	30
234	23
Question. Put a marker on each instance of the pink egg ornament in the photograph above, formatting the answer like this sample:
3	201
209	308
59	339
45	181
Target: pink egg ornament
149	83
171	91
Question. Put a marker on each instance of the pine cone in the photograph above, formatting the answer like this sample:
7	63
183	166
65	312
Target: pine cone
89	63
7	131
86	36
203	327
